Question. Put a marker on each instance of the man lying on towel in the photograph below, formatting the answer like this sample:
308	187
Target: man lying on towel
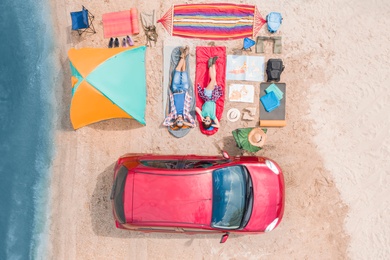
210	95
180	100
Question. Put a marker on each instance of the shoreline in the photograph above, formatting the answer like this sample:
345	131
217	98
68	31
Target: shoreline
316	216
59	12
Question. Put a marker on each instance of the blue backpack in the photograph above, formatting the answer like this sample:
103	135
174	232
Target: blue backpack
274	20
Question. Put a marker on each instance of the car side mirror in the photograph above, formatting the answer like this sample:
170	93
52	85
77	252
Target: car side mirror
225	155
224	238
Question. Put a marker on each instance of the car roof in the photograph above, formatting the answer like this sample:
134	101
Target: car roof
175	198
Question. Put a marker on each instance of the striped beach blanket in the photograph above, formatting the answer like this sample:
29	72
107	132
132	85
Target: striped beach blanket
213	21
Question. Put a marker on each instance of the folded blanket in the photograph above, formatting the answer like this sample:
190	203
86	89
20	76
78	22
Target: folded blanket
276	90
202	79
270	101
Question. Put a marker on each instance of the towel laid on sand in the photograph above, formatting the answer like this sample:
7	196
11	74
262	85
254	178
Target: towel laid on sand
120	23
202	79
172	64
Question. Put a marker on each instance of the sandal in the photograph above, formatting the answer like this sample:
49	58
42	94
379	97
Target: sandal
184	52
211	61
260	43
277	44
215	58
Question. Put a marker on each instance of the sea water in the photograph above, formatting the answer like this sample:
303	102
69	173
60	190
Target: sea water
26	123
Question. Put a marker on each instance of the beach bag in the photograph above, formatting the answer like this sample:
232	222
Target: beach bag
275	67
274	20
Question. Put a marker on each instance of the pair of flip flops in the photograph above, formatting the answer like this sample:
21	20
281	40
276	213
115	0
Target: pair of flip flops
184	52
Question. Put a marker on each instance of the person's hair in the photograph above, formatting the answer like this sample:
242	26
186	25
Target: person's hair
176	123
207	125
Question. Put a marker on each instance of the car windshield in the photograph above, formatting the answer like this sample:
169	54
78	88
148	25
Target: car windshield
229	196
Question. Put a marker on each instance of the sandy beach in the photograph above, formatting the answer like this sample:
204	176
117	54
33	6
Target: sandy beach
334	150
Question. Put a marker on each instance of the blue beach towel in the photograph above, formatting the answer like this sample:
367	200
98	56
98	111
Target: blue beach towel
270	101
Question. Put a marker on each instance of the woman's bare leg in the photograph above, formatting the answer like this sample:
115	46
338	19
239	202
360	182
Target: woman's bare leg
181	66
213	80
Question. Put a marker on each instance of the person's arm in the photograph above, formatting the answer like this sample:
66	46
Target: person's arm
191	121
188	124
216	123
197	109
169	120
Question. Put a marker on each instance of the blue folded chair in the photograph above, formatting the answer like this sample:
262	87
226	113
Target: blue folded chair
82	21
247	44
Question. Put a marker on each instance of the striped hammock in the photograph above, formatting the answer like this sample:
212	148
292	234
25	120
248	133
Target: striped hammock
213	21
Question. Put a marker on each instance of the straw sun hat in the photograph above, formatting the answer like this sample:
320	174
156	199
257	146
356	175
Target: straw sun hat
257	137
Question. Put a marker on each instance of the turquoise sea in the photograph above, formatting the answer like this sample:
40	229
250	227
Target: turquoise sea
26	126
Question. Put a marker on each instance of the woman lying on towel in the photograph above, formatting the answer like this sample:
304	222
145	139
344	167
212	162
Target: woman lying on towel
180	100
210	95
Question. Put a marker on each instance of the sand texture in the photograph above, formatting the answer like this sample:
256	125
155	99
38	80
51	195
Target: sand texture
334	150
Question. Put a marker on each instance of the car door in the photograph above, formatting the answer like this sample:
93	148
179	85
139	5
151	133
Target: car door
201	231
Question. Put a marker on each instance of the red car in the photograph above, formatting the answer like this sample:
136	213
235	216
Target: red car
197	194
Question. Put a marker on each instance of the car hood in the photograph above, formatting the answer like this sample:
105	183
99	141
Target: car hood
268	204
185	198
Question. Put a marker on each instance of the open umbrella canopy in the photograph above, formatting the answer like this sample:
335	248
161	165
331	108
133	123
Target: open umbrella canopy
107	83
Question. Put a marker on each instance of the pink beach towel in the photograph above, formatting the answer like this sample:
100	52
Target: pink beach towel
120	23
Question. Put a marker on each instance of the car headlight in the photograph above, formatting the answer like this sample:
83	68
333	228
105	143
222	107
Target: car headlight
272	166
271	226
